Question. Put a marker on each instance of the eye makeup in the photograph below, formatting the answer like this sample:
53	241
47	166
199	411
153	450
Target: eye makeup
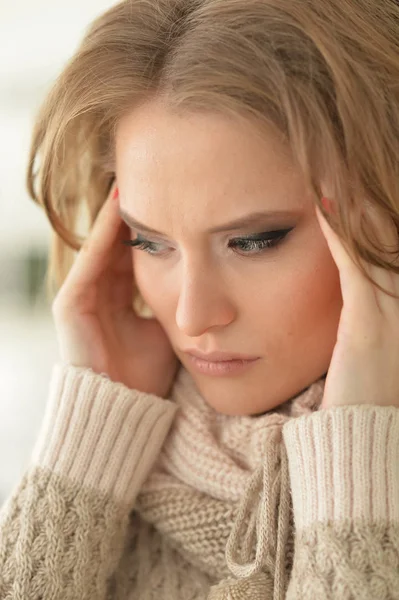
249	245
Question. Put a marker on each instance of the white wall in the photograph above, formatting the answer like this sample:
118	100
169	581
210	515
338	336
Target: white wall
37	37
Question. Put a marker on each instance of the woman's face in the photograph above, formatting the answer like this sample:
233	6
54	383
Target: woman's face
213	290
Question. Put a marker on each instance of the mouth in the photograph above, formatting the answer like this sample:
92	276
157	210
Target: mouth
220	367
213	357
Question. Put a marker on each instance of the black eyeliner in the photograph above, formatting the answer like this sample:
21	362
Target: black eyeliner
266	235
135	242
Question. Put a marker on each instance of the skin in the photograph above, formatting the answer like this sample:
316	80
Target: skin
184	175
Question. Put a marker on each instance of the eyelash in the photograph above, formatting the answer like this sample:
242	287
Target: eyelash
262	242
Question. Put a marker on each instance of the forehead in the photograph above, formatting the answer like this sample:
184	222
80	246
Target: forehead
202	161
152	134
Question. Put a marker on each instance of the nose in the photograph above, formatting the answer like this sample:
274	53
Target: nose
203	301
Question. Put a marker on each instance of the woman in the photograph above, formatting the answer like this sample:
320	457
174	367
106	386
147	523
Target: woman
236	161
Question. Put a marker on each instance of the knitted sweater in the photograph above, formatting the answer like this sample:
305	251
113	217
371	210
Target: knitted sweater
128	496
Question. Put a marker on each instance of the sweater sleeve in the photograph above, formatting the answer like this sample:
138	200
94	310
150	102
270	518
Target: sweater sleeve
64	527
344	473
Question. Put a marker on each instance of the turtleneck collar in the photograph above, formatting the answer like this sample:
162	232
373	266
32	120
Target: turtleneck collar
216	453
219	492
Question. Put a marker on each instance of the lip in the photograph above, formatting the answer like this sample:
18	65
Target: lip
220	368
216	357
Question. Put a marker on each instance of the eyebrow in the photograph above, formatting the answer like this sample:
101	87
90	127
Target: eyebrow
242	222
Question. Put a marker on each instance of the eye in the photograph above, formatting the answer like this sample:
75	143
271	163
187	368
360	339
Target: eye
260	242
248	245
143	244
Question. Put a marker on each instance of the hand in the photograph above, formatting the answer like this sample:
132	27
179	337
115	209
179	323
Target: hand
95	321
364	365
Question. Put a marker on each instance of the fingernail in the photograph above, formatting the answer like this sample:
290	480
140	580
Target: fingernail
115	194
327	205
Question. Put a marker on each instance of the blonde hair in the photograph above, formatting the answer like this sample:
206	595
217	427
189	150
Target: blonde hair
323	73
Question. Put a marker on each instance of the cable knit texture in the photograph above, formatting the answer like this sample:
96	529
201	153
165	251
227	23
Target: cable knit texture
128	496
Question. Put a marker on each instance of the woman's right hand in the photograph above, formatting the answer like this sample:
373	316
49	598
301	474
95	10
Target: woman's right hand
95	321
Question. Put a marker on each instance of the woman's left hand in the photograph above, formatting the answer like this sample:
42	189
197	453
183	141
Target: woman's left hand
364	367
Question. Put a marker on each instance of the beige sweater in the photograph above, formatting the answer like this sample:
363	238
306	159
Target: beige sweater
128	496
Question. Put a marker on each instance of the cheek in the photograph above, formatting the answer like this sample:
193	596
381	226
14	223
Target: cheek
298	299
311	300
146	280
142	276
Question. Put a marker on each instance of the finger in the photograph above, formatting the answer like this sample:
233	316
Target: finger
386	235
95	254
346	265
358	293
350	273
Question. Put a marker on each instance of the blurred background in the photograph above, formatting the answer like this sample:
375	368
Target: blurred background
36	40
